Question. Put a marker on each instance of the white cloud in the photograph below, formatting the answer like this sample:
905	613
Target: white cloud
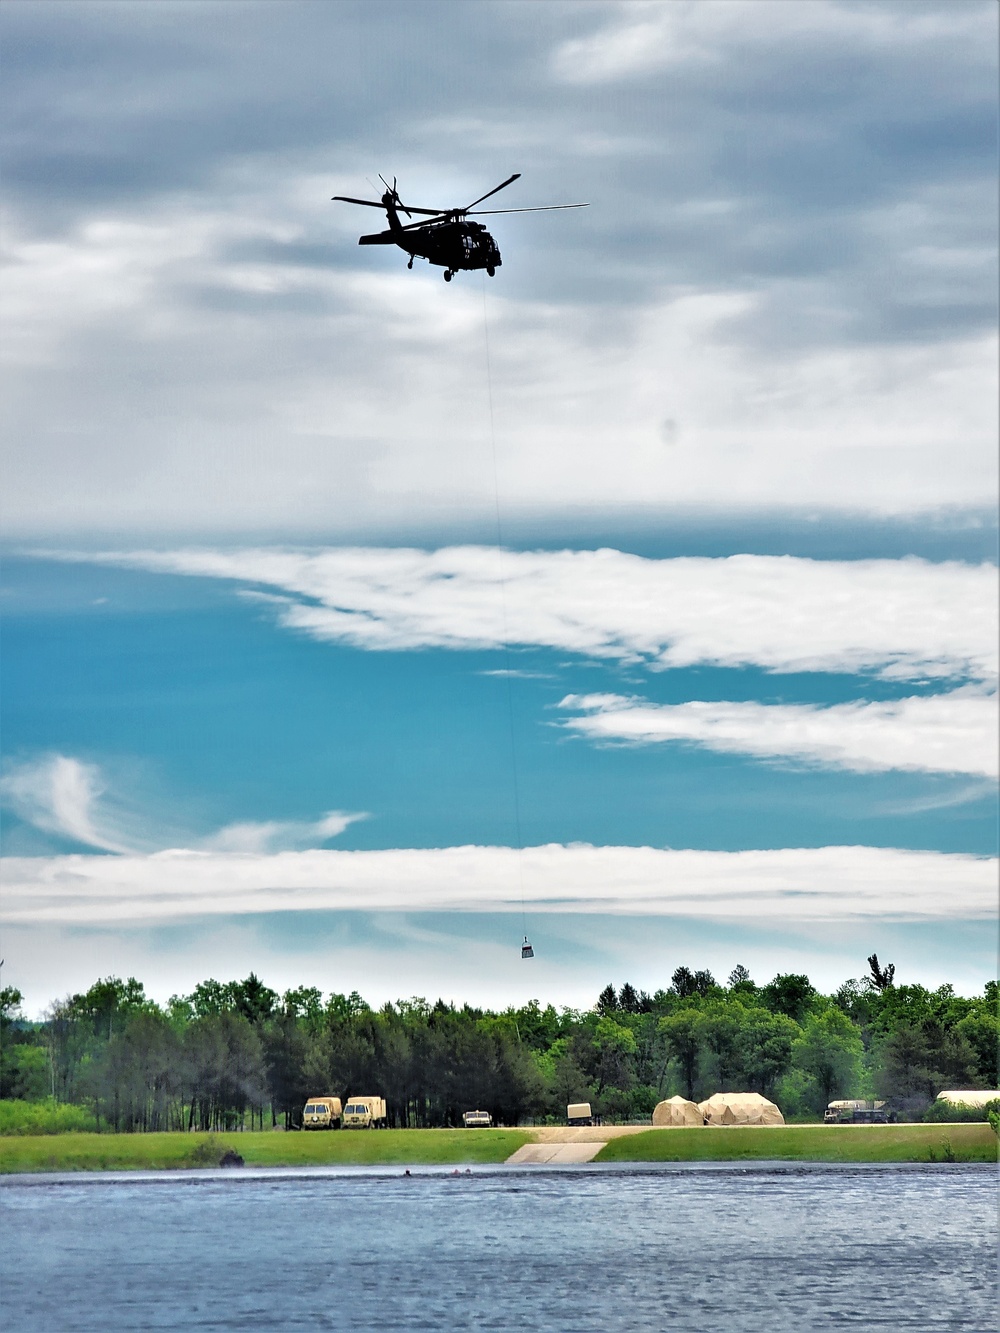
901	618
317	413
787	885
279	835
60	795
945	733
640	39
72	799
647	36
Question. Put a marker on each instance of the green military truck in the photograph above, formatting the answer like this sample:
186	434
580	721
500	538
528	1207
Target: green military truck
853	1111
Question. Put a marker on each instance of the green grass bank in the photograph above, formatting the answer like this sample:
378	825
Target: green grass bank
457	1147
152	1152
809	1143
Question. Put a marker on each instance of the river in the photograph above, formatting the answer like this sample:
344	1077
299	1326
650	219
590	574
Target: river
696	1248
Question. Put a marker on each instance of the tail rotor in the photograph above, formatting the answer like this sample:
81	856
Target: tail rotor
394	195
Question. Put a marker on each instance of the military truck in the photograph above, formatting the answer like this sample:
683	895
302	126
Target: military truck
365	1113
579	1113
852	1111
477	1120
322	1113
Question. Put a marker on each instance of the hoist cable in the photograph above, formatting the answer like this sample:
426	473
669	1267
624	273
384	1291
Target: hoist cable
503	609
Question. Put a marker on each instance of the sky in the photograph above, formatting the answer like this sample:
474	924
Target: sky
640	599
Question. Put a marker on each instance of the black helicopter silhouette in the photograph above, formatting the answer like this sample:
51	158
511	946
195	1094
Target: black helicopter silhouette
445	238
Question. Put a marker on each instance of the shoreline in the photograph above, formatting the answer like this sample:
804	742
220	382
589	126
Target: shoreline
927	1144
482	1170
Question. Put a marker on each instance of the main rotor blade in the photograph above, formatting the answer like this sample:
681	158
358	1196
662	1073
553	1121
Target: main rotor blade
404	208
415	226
496	189
368	203
544	208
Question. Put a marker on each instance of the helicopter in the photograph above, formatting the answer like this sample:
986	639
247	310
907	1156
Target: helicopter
445	237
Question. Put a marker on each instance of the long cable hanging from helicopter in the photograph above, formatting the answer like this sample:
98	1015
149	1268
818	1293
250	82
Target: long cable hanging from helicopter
526	950
446	237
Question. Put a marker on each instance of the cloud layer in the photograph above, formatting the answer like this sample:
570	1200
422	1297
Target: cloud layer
949	733
783	293
899	618
788	885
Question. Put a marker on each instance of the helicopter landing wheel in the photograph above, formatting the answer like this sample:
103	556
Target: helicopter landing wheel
447	275
410	264
492	272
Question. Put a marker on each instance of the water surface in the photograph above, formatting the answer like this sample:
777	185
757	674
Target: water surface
695	1247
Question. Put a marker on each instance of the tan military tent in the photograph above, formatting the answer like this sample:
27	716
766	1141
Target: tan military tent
740	1108
970	1097
677	1111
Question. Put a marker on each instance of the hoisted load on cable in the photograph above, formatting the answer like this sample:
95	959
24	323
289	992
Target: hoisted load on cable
526	950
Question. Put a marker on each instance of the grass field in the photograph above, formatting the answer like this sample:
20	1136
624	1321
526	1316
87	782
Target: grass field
138	1152
809	1143
448	1147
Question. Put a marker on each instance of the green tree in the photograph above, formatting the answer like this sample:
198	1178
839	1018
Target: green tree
10	1006
830	1050
766	1049
682	1035
135	1080
791	994
24	1064
617	1046
285	1043
982	1032
915	1061
255	1001
740	981
25	1072
881	977
720	1029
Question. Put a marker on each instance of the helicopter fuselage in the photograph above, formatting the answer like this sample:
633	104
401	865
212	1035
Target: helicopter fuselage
451	243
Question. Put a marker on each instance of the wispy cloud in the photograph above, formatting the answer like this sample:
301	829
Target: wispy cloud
73	800
61	795
514	674
279	835
947	799
788	885
901	618
944	733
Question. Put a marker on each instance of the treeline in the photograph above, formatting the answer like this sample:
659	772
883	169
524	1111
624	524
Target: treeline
238	1054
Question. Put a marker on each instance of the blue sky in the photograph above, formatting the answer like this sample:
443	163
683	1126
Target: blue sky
268	676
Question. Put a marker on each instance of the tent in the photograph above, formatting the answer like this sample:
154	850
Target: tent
974	1098
740	1108
677	1111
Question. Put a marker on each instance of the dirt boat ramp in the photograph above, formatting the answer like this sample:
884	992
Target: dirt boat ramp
564	1146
